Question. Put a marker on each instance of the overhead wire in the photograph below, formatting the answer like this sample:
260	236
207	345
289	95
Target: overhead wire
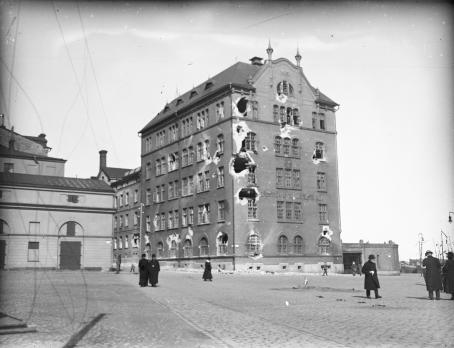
13	59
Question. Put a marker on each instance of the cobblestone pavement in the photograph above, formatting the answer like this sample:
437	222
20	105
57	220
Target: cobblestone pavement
240	310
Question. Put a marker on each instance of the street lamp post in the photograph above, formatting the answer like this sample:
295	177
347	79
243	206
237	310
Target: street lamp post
420	242
140	229
446	238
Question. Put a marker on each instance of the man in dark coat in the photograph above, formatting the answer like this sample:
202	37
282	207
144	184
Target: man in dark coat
143	272
153	270
448	271
207	271
118	263
370	277
432	275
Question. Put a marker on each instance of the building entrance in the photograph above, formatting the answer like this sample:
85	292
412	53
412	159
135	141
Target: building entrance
348	261
70	255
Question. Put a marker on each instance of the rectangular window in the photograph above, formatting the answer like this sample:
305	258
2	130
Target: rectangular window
279	177
184	217
73	198
204	214
163	221
163	166
280	210
158	167
163	190
191	185
184	187
220	177
121	200
297	211
127	198
136	218
33	252
191	155
288	178
199	152
191	216
121	221
321	181
251	209
148	197
136	196
170	220
176	216
206	150
296	178
185	158
170	194
148	171
288	210
221	210
126	220
200	182
207	180
33	227
323	213
251	176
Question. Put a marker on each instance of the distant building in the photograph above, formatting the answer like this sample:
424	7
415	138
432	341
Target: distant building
50	221
243	168
386	255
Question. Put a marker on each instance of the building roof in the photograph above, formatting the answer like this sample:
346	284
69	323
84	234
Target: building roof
323	99
237	74
7	152
55	182
113	172
133	174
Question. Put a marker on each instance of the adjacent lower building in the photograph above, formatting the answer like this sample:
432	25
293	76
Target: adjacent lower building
243	168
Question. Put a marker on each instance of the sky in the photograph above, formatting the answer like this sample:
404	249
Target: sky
90	75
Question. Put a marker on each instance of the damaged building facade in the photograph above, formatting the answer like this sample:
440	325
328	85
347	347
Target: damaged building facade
243	168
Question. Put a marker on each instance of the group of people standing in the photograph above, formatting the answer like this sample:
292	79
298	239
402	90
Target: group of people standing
438	277
148	271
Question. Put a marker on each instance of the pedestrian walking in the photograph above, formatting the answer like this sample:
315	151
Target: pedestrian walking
325	269
354	268
118	263
207	271
153	270
432	275
143	271
448	271
370	277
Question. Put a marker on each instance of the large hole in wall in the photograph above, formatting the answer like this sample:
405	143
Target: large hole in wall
241	161
242	106
248	193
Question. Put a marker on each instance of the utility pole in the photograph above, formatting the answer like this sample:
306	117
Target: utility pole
140	230
441	237
420	242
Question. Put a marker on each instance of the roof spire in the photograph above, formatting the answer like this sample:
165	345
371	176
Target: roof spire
298	56
269	51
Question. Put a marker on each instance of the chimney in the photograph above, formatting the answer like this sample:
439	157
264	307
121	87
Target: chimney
256	61
102	159
2	120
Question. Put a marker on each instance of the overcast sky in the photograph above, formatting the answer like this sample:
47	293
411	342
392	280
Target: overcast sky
91	75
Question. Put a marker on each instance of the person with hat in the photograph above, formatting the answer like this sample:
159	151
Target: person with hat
432	275
370	277
207	271
448	271
143	273
153	270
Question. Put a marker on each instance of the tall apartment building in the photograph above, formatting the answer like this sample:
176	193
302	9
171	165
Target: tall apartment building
243	168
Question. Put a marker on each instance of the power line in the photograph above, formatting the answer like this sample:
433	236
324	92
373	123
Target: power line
96	79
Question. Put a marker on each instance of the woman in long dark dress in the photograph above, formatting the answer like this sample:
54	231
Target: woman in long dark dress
207	271
143	272
448	271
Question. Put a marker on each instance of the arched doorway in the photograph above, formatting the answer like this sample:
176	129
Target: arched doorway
70	250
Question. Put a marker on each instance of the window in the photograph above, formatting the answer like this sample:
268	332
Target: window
221	210
158	167
323	212
126	220
282	114
200	182
288	210
115	244
135	218
148	171
160	249
163	189
286	146
147	223
280	210
70	227
191	216
289	119
222	244
298	245
285	88
279	177
184	217
220	144
126	242
173	249
8	167
203	246
121	200
33	227
127	198
176	217
148	197
135	240
33	252
204	214
163	166
282	247
319	150
206	150
73	198
295	147
170	220
321	181
207	180
296	178
184	187
324	245
220	110
255	109
296	117
220	176
297	214
249	143
191	155
251	209
115	222
277	144
163	221
199	152
157	221
187	248
251	175
121	221
288	178
136	196
191	185
185	158
170	194
253	245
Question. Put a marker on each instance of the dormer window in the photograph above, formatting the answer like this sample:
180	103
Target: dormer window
167	108
208	85
193	94
179	101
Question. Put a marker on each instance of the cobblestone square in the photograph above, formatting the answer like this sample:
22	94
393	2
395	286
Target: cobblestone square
235	310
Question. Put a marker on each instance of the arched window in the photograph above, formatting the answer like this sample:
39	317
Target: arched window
71	229
285	88
120	243
298	245
277	144
173	249
115	244
282	246
222	243
126	242
187	248
324	245
203	246
160	249
253	245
